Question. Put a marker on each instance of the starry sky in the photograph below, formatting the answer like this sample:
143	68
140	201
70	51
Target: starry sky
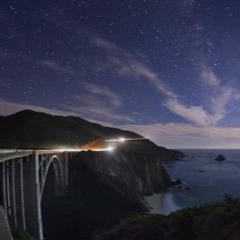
167	69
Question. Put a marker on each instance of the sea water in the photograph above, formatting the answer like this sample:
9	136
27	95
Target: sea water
205	180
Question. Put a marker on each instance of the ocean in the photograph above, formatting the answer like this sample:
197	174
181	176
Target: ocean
205	180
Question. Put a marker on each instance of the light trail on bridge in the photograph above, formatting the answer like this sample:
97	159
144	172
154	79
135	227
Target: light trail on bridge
122	139
108	148
11	153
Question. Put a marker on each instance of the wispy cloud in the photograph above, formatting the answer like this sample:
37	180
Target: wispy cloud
128	64
42	63
103	43
222	98
97	103
97	112
172	135
221	94
100	103
94	89
176	135
219	98
9	107
53	66
194	114
209	77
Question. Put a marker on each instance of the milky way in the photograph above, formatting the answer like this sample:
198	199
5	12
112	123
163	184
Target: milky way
166	69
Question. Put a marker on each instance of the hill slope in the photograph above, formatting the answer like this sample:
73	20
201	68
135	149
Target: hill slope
34	130
29	129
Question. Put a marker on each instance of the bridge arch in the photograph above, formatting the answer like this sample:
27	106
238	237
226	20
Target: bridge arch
58	173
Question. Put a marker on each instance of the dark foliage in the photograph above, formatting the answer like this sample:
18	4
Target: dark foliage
219	221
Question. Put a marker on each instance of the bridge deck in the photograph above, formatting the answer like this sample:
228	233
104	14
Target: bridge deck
11	154
6	154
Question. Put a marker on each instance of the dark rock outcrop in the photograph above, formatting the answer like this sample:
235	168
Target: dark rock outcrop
220	158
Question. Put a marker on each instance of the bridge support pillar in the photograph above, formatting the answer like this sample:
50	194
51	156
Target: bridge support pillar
32	198
19	193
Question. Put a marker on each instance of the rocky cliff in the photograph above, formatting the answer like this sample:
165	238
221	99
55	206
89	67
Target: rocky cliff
104	188
140	172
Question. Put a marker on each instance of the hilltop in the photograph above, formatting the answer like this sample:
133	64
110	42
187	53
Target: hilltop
34	130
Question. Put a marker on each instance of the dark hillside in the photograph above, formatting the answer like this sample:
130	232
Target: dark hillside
34	130
29	129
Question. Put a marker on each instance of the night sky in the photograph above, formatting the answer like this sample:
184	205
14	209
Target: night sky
167	69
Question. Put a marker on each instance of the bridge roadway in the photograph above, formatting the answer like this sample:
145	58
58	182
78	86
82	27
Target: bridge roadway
6	154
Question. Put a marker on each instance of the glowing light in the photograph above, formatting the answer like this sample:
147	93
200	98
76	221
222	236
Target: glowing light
122	139
110	149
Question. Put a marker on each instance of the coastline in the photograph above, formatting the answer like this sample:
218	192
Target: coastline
161	203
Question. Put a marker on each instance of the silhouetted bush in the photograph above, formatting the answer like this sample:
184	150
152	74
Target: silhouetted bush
219	221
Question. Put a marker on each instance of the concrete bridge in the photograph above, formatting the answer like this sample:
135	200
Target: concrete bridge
23	175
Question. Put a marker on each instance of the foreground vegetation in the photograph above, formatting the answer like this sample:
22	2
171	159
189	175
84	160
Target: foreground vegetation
219	221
